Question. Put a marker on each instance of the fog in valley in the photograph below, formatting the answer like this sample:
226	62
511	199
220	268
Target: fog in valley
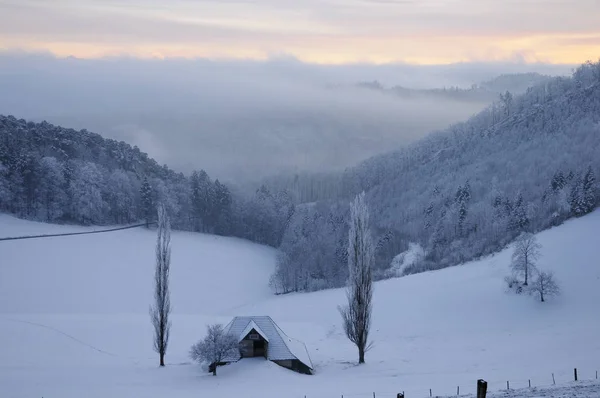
243	120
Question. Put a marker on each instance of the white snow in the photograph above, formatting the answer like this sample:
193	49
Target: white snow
74	320
407	258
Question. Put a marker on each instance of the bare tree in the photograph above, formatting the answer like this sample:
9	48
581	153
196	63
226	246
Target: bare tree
545	285
356	315
161	309
215	347
526	253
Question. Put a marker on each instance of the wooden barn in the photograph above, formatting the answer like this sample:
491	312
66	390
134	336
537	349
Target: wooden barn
259	336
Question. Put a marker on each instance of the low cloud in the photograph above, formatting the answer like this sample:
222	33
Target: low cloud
240	120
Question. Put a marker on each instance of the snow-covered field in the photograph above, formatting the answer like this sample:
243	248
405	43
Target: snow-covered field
74	320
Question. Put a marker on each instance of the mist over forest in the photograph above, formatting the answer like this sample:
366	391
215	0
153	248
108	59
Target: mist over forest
242	121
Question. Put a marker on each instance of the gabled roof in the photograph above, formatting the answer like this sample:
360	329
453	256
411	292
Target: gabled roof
281	347
249	328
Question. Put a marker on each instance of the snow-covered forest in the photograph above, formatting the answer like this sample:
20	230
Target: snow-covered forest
525	163
53	174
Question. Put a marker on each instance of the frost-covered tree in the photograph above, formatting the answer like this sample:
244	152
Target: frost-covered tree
525	255
507	102
588	191
519	219
52	188
215	347
86	187
160	310
545	286
356	314
147	202
121	197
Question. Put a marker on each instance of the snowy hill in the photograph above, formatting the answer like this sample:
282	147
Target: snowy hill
75	313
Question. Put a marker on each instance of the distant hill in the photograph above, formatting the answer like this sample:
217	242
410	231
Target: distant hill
488	91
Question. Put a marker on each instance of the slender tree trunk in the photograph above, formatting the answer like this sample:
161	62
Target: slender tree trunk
526	269
162	359
215	370
361	354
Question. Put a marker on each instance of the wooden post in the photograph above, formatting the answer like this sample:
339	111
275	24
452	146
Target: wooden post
481	388
457	391
575	372
400	395
507	385
430	393
553	381
529	383
596	375
373	395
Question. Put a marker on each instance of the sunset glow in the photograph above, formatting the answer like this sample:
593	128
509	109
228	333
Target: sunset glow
318	31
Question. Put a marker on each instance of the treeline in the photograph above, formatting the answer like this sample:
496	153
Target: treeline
54	174
526	163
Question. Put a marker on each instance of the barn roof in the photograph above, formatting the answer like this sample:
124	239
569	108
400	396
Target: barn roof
281	346
252	326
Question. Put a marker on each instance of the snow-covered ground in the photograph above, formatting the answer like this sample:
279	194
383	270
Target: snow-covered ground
74	320
581	389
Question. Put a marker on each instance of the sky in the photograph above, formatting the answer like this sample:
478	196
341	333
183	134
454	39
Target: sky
423	32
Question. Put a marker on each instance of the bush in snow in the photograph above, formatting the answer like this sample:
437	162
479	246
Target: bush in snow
513	284
545	286
215	347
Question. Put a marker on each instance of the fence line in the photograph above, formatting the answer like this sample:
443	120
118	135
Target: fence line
75	233
493	387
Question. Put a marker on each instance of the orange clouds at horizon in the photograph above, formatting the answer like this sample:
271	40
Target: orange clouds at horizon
315	31
429	51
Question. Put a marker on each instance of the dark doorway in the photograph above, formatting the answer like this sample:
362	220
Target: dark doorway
259	348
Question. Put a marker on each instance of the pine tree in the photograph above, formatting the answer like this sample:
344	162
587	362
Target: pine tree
576	197
196	202
519	219
428	216
146	201
558	182
462	199
588	194
222	208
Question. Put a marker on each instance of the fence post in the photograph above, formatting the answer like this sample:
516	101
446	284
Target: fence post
553	381
529	383
373	395
507	385
400	395
575	372
457	391
430	393
481	388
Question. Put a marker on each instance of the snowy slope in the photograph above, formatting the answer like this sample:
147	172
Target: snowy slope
76	330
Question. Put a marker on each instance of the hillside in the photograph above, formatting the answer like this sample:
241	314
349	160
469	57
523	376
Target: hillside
524	164
56	174
75	313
